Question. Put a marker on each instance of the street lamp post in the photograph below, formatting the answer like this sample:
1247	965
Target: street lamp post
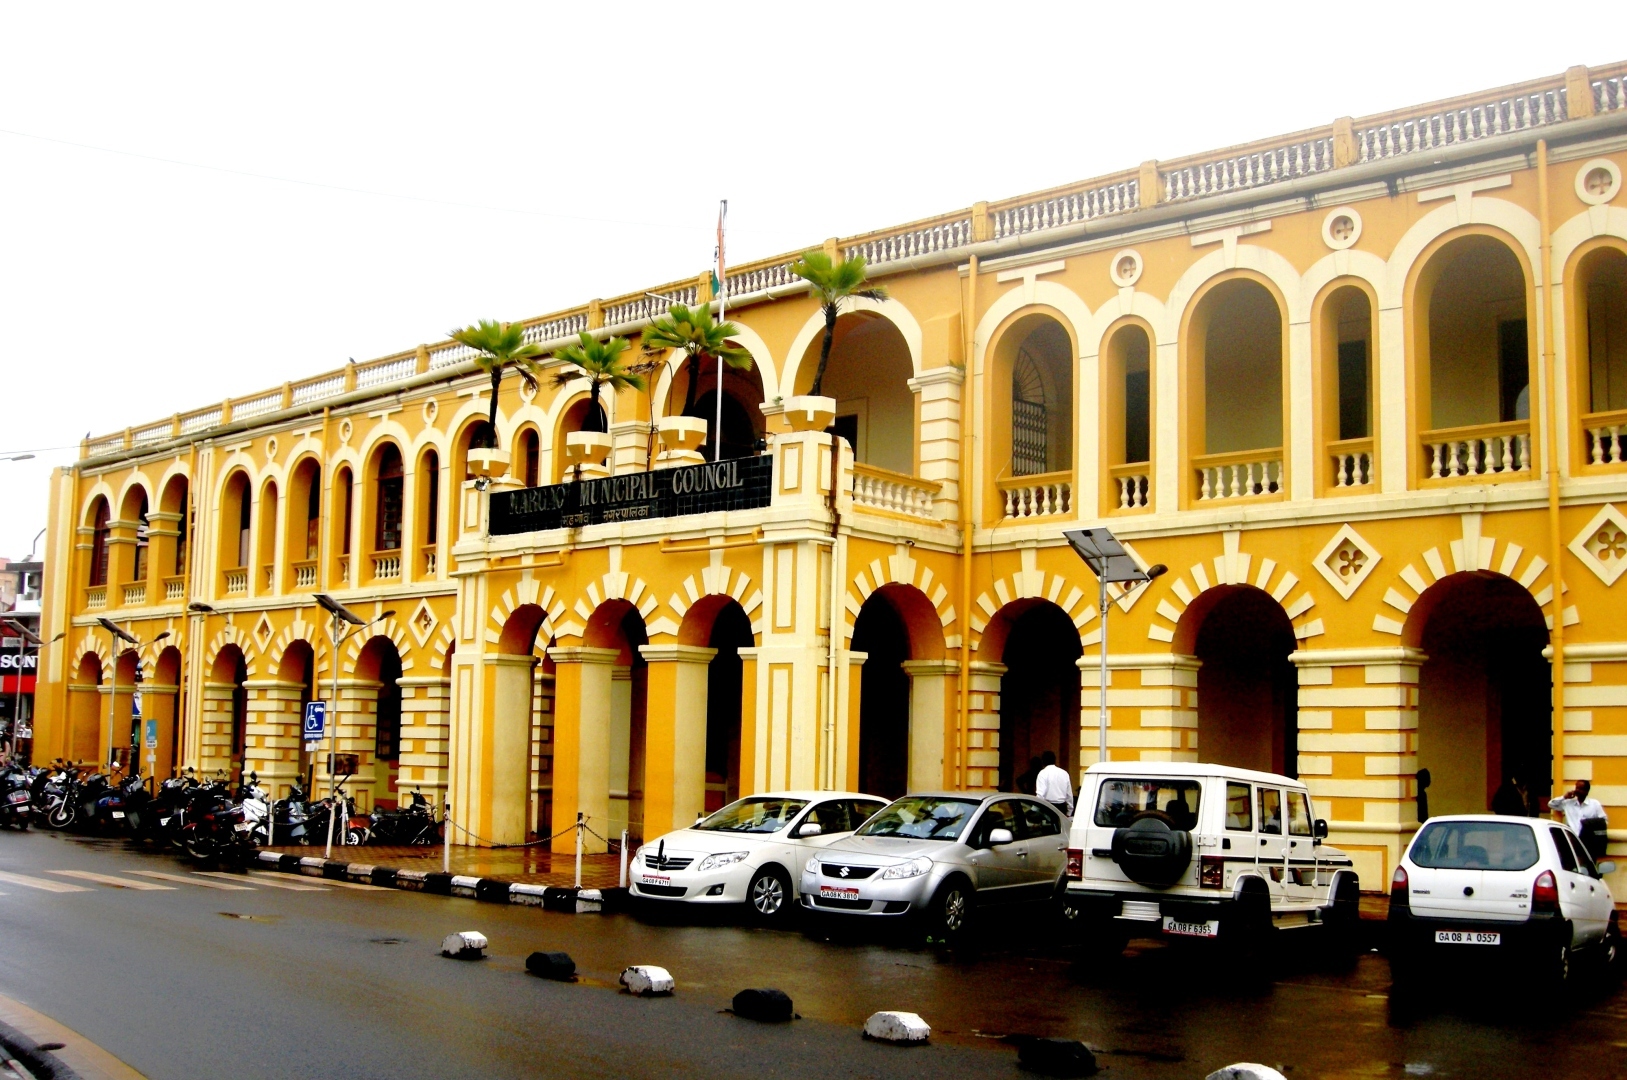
342	616
1111	564
116	634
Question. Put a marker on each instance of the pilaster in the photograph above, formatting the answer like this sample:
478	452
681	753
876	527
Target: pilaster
582	700
938	393
675	736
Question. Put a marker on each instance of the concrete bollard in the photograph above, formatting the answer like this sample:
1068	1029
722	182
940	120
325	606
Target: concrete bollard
897	1027
551	965
1246	1070
1057	1057
647	980
464	945
773	1006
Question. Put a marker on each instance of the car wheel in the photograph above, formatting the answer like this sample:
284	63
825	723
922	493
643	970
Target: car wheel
949	918
769	895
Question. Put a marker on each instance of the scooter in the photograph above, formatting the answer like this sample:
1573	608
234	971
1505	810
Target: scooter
414	825
14	798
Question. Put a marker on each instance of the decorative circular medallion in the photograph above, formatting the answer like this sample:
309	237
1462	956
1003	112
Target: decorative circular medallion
344	430
1341	228
271	449
1126	268
527	392
431	409
1598	181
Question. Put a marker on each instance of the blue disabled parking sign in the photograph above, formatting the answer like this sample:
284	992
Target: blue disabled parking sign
316	719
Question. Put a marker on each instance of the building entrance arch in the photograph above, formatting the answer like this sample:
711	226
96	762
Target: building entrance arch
903	693
1248	689
1484	691
378	674
1039	650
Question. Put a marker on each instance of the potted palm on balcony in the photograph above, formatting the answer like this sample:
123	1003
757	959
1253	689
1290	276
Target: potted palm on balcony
601	363
497	347
692	331
832	284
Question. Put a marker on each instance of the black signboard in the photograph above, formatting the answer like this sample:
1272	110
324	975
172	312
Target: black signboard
735	484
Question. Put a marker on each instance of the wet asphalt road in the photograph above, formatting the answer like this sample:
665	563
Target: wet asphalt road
189	981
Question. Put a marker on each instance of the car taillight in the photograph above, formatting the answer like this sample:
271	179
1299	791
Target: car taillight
1212	872
1399	887
1076	864
1545	894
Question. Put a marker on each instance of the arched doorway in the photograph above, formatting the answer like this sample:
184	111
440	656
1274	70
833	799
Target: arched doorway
1599	317
617	624
1484	693
904	693
298	668
161	705
378	671
85	709
720	623
231	710
1039	690
1248	690
868	375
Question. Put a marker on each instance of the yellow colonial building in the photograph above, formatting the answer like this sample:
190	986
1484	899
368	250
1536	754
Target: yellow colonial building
1363	389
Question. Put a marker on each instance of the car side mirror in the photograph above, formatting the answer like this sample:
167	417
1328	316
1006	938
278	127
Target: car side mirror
810	828
1607	868
1321	828
999	836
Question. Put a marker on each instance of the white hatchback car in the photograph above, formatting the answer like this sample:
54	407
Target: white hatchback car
1488	888
750	852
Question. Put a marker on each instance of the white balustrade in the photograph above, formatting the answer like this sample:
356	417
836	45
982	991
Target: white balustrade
1435	130
1041	495
1249	170
1134	486
1495	454
883	489
1352	466
429	560
1605	444
237	581
174	588
939	237
386	371
305	575
387	565
135	594
96	598
1239	476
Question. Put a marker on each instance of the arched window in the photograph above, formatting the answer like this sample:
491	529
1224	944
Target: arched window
342	494
98	542
530	456
138	567
431	469
387	523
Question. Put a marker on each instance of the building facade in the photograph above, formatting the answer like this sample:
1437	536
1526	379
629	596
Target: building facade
1363	389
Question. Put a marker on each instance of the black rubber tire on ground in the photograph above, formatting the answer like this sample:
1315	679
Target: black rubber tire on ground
60	815
1552	966
1245	936
768	897
355	837
200	848
949	916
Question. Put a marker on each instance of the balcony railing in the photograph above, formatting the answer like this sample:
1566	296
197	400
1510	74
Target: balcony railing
387	565
1132	485
1606	437
305	574
174	587
1242	474
135	593
96	598
1352	464
899	493
237	581
268	577
1039	495
1494	452
426	560
344	569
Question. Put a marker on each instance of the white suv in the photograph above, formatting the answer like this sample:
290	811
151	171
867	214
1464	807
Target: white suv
1481	887
1202	851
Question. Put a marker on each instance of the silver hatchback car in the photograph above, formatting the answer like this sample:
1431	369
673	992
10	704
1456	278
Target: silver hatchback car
940	857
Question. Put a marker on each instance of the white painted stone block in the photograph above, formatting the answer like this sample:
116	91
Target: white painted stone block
1246	1070
647	980
897	1027
465	945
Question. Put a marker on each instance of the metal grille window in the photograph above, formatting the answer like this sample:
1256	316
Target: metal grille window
1029	452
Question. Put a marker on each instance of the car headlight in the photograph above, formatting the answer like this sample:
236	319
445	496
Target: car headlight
914	868
717	862
812	867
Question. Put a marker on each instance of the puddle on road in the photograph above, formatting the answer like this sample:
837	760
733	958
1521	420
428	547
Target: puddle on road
387	941
252	918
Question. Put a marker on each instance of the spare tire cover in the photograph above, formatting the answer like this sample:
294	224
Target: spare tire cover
1151	853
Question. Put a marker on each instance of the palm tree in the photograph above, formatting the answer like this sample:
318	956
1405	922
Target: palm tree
693	331
833	282
601	363
497	347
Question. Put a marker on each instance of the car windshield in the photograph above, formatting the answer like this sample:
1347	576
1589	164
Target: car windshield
1475	845
761	815
1121	800
922	818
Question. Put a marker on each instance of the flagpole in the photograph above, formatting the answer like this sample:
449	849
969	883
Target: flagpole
722	302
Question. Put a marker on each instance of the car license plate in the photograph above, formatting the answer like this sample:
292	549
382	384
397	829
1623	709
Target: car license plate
1210	928
118	813
835	893
241	826
1468	937
654	879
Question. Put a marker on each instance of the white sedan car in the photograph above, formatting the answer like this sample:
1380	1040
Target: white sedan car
750	852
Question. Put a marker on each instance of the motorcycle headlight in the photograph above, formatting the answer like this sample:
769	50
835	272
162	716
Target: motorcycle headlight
717	862
914	868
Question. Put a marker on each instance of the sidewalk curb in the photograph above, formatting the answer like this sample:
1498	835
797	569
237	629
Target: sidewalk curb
568	899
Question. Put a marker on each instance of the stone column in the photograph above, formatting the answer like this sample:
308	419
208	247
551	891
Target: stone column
354	720
426	735
675	736
938	391
215	736
621	736
983	735
849	778
630	449
272	740
582	696
1152	706
932	693
505	766
158	703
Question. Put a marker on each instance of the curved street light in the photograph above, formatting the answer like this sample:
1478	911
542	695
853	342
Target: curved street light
117	633
352	623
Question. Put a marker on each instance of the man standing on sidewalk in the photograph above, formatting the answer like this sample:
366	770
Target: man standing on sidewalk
1053	784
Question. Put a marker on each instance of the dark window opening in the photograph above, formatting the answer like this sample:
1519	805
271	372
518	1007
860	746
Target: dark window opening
245	511
1514	366
847	427
313	516
432	496
387	527
1137	416
184	529
1353	410
98	545
344	511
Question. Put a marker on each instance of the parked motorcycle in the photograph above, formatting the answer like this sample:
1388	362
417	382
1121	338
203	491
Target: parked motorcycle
214	827
14	798
413	825
289	817
51	796
350	829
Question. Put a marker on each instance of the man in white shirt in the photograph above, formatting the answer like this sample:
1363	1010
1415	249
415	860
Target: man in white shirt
1053	784
1579	810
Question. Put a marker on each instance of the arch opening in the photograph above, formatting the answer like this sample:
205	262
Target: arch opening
1484	691
1238	379
719	622
868	375
1039	691
305	525
161	706
1248	689
229	676
379	664
1601	331
100	519
903	693
85	710
1478	370
617	624
743	421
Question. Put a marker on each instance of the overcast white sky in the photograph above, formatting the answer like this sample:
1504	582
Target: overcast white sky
507	160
